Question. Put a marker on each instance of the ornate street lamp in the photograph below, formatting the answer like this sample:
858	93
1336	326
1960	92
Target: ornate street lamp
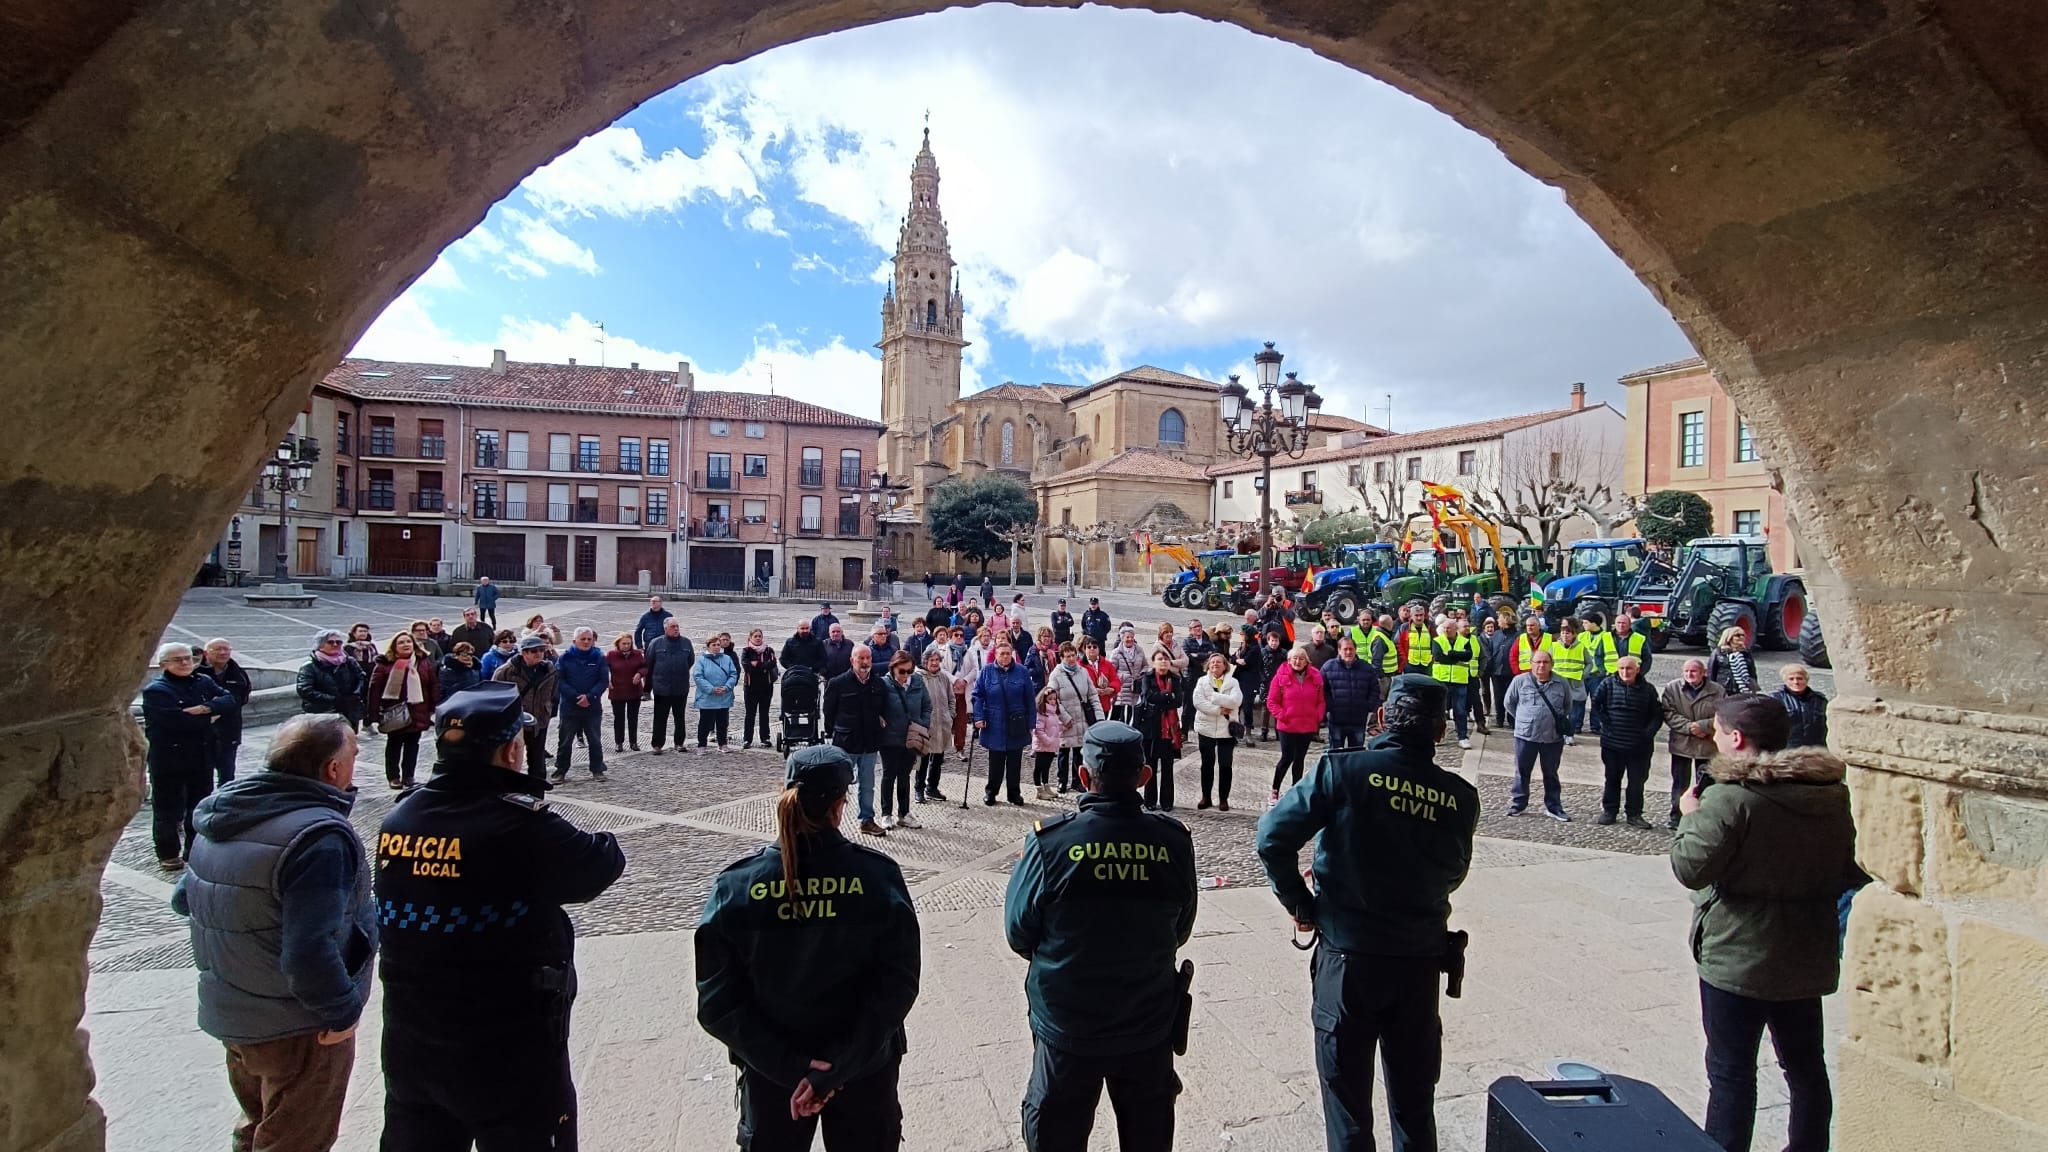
288	473
881	501
1265	430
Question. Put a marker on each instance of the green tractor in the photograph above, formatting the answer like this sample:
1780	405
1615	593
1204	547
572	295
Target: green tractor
1427	578
1726	582
1527	567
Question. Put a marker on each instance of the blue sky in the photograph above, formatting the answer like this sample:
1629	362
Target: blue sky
1121	188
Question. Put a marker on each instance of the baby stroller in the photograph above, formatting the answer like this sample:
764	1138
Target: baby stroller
800	723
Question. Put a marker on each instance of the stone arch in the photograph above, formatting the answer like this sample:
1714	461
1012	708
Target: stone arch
1840	204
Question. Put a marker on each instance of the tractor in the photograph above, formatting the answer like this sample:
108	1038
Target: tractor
1600	575
1290	571
1350	589
1726	582
1426	578
1526	567
1189	588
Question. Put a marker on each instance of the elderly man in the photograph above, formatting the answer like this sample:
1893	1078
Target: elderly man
1689	703
283	931
1538	707
473	632
651	623
838	650
487	600
1807	707
1352	689
882	643
180	709
824	620
582	675
669	661
854	719
227	733
1630	716
534	675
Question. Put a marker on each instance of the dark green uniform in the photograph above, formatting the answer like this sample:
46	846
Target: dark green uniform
1393	841
1099	903
477	958
826	974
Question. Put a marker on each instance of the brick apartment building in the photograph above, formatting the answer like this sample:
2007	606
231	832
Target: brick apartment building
1684	433
573	474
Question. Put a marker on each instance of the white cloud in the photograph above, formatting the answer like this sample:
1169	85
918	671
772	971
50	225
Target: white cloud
541	244
834	376
611	172
761	218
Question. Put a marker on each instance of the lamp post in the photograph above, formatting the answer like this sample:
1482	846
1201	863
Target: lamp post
881	501
287	473
1265	430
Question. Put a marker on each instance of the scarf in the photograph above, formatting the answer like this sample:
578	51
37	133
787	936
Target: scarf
337	659
404	681
1169	718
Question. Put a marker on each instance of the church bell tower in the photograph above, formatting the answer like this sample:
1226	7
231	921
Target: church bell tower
922	317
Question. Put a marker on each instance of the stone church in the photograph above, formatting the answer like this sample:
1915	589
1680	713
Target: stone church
1130	449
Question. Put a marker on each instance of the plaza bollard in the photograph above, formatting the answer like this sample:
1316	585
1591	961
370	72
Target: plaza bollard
1605	1113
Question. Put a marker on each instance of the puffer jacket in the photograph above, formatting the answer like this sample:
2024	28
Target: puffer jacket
1296	699
1352	692
669	660
1682	709
1734	671
1132	664
456	676
1073	684
1538	710
178	739
716	670
1630	715
582	673
902	706
1768	854
1045	734
336	688
1809	712
1211	697
1003	702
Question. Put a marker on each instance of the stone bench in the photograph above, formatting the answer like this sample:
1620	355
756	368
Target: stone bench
279	596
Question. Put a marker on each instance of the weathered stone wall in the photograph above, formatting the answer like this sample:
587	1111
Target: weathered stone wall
1843	201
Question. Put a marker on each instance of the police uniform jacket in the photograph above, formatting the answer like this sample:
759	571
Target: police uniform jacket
1099	903
1396	841
835	983
472	873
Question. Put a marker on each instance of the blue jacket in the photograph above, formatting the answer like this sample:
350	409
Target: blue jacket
1352	693
176	738
903	705
581	673
716	670
1003	698
650	626
283	926
456	676
492	657
487	597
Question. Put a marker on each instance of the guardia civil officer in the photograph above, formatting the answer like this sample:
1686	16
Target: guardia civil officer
472	873
1395	842
807	965
1099	903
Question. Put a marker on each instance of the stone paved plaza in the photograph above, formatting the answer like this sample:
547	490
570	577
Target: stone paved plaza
1579	944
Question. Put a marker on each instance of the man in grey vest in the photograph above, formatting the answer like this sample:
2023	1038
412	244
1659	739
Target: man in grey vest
283	933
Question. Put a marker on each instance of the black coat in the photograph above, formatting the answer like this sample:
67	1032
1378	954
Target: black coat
853	712
1809	717
1631	716
236	681
177	739
838	657
758	669
806	649
337	688
1154	705
1095	622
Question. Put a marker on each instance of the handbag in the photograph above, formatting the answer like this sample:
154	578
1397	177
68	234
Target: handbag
916	737
396	717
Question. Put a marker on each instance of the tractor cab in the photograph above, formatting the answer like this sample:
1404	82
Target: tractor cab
1726	582
1526	567
1425	575
1350	586
1599	574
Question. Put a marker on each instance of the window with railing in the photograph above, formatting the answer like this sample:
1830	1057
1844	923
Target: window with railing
433	444
849	516
629	454
483	502
811	469
753	465
718	469
657	457
382	495
657	506
340	486
849	468
429	500
811	514
486	449
806	571
383	436
754	511
588	453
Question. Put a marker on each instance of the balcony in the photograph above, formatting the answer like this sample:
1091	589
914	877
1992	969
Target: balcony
580	463
712	481
430	500
811	474
1304	496
852	478
581	512
377	500
395	447
710	528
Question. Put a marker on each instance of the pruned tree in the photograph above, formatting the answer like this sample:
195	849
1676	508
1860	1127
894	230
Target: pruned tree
1380	501
958	516
1554	470
1016	535
1670	517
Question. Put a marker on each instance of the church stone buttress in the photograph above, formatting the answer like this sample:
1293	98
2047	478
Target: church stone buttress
922	334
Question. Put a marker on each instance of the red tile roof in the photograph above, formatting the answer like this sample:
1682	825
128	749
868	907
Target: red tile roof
1029	393
1136	463
1414	441
571	388
1673	366
1147	374
1331	422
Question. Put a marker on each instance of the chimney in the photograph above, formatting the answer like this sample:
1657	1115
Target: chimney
497	361
1582	387
1578	395
636	364
684	377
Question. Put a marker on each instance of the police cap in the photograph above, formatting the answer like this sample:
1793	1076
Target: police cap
478	720
820	769
1112	742
1424	692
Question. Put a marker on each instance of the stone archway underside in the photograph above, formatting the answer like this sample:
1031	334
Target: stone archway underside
1844	201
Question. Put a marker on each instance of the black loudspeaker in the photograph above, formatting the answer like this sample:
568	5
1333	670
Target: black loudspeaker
1607	1114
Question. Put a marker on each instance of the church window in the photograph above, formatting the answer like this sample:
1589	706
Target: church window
931	313
1009	441
1173	427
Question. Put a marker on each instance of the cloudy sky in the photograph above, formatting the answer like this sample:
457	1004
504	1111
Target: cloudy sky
1121	188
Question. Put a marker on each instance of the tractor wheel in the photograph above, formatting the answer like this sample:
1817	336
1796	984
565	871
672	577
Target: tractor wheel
1589	608
1732	614
1172	596
1418	605
1344	605
1813	647
1782	624
1660	639
1213	598
1438	604
1505	603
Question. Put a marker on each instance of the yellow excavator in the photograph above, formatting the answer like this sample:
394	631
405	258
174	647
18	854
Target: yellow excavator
1488	569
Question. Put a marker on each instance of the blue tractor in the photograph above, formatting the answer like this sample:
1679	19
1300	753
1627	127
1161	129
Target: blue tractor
1350	588
1190	588
1599	576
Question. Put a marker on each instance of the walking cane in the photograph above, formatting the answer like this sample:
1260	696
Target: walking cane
969	782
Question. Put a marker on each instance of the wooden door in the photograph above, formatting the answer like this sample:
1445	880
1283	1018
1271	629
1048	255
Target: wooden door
586	559
501	555
717	569
558	557
404	551
638	554
306	560
850	573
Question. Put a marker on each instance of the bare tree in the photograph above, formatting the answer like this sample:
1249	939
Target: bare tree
1015	535
1554	475
1381	500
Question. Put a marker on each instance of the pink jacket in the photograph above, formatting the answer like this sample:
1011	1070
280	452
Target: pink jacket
1045	735
1296	701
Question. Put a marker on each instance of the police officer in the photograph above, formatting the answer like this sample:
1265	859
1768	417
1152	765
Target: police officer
1101	900
1395	842
807	965
472	873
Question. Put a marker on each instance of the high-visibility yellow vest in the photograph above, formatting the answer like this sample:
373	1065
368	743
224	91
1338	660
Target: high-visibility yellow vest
1524	651
1611	654
1391	662
1569	660
1419	654
1454	660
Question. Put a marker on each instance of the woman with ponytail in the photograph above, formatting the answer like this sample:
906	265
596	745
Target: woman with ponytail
807	965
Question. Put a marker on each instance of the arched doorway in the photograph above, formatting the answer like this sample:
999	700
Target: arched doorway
1840	202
